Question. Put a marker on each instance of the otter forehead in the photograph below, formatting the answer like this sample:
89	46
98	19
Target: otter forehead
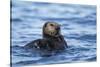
53	24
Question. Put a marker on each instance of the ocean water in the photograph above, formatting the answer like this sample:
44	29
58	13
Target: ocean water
78	26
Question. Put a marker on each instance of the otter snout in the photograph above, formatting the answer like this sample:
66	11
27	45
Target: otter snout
58	28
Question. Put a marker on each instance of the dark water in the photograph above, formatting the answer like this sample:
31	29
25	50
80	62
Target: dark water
78	25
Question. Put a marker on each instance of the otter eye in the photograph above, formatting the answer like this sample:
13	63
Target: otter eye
51	25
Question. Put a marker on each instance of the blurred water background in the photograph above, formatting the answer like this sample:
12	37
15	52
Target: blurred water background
78	25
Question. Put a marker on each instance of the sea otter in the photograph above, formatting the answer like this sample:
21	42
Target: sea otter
52	38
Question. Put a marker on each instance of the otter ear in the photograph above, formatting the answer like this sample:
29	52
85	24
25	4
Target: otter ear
46	24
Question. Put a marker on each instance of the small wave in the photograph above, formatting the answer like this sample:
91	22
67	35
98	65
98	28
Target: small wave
16	20
83	37
21	63
92	59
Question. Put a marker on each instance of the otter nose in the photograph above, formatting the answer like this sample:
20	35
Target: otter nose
57	28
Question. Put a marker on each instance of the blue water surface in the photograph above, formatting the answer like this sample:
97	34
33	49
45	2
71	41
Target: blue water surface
78	26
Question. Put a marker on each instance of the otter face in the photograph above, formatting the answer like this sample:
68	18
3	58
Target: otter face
51	29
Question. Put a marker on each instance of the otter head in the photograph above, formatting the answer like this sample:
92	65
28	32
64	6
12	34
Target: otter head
51	29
